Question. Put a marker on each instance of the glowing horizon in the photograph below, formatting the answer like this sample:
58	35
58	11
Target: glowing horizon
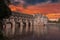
50	10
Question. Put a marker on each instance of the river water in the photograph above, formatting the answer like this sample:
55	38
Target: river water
51	32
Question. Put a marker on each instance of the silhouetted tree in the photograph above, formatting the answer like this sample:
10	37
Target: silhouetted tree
59	20
5	12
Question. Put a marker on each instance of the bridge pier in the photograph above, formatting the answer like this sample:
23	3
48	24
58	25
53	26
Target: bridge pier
26	26
21	26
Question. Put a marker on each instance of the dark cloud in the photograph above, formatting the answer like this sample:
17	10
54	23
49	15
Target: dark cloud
54	1
39	1
34	1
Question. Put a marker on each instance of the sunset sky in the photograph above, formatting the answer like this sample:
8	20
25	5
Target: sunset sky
50	8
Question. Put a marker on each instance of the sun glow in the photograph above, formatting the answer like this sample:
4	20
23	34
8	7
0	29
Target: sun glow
53	15
35	9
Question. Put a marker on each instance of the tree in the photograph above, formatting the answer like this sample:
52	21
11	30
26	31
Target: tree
59	20
5	12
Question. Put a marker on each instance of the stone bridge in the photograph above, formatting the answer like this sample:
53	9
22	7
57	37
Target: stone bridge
18	24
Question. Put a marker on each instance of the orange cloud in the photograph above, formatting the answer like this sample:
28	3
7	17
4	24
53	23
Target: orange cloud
13	8
47	9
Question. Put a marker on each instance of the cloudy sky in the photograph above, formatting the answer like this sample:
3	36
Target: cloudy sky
33	2
40	1
48	7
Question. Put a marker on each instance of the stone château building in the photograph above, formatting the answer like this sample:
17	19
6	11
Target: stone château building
39	23
20	23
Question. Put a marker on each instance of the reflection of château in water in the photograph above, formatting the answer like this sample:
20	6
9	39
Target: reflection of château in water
19	23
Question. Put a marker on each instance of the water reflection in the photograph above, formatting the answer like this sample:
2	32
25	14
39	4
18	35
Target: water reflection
41	32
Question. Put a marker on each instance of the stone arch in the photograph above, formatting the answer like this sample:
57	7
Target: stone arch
8	27
18	24
17	28
24	26
29	25
10	24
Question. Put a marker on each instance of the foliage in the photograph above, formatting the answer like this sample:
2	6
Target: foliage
5	12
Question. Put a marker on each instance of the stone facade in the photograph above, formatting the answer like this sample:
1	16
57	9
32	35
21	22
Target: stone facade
39	23
20	23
